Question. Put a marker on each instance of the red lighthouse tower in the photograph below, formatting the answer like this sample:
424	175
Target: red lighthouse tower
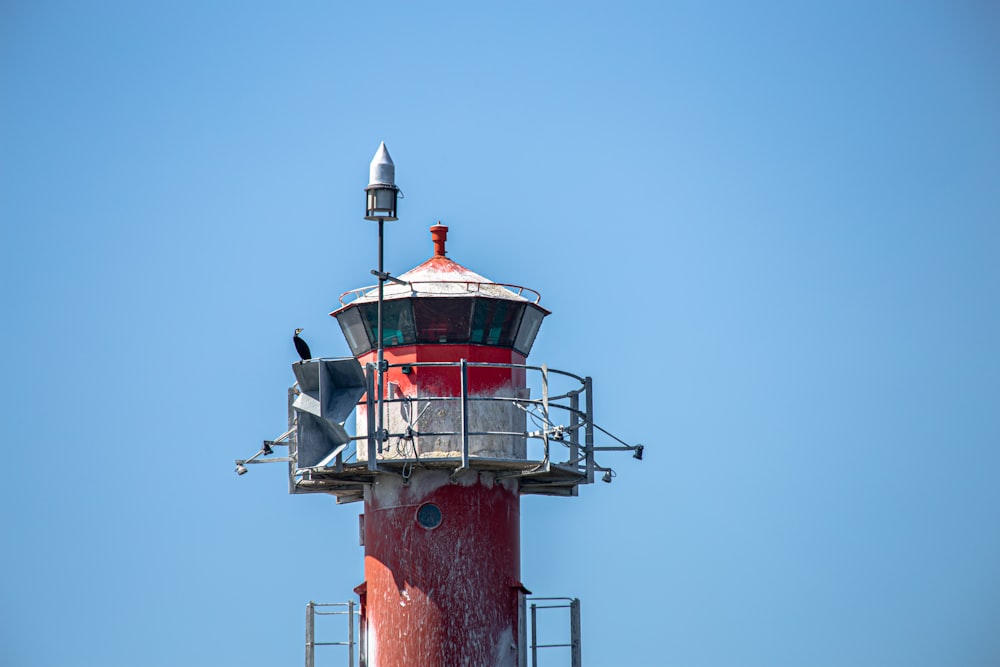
442	552
442	450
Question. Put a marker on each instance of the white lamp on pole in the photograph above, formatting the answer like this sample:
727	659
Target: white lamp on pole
381	195
382	191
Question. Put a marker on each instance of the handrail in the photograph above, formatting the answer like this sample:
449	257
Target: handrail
564	418
360	292
489	364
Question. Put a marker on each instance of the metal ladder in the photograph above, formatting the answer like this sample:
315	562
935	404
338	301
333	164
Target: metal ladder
314	609
573	604
312	612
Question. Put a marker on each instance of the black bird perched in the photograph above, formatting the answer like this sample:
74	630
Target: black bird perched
301	347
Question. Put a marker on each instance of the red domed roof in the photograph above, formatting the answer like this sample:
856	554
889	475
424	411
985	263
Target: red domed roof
440	276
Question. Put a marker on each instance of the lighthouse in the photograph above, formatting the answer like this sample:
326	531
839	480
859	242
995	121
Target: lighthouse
452	425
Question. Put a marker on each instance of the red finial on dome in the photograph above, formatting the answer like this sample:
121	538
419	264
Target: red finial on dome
439	234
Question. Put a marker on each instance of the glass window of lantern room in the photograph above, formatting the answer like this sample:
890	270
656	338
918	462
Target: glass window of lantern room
528	330
397	322
442	319
354	331
494	321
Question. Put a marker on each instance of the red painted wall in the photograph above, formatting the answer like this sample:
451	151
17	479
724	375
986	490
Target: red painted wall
448	595
447	381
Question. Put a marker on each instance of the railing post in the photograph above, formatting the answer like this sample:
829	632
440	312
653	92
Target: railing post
350	633
310	636
574	424
574	632
465	413
534	636
589	434
545	411
370	404
293	441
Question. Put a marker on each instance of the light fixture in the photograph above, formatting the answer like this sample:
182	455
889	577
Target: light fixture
267	449
380	205
638	452
607	476
381	191
241	469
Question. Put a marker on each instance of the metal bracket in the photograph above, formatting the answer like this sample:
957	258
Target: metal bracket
384	275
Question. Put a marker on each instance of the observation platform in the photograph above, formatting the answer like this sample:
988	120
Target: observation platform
541	434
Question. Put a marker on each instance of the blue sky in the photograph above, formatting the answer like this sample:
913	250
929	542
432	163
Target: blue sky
769	231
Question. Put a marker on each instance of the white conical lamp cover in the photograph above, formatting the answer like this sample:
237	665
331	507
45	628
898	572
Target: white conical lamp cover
382	171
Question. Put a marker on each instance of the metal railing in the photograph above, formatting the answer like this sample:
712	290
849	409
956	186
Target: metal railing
312	612
557	416
562	416
350	296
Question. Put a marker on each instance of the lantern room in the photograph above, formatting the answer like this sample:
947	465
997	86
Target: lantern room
441	302
432	317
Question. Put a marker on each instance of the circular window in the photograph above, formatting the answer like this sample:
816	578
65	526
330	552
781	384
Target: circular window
429	516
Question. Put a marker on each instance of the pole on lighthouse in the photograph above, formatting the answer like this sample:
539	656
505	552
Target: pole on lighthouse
381	195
